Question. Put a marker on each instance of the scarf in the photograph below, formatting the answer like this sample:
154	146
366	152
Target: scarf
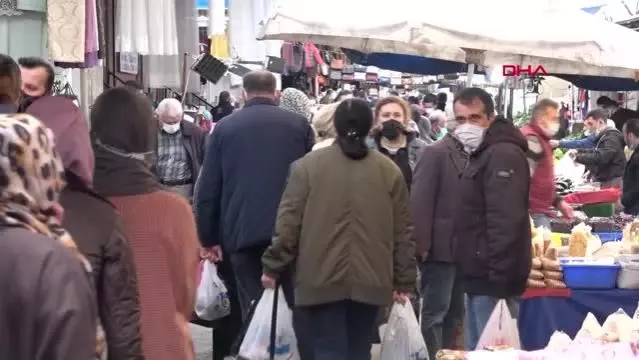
118	173
33	177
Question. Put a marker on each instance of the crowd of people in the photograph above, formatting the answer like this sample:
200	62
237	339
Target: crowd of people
348	209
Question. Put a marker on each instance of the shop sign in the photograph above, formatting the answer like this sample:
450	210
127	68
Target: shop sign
517	70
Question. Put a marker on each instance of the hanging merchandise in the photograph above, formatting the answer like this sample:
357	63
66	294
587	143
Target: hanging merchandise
335	75
337	62
147	27
217	27
91	39
66	24
312	56
293	56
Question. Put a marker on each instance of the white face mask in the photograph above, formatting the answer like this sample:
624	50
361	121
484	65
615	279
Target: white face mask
470	135
552	130
171	128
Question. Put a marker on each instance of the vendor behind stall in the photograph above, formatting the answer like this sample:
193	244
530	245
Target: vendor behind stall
630	195
543	125
606	161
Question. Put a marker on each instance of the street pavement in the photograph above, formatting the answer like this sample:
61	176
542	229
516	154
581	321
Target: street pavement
203	342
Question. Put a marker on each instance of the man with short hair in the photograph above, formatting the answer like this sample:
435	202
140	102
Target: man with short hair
247	162
543	126
38	76
630	195
9	85
429	102
180	149
492	226
606	161
615	112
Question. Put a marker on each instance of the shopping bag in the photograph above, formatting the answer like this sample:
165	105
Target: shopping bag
567	168
402	337
212	300
270	334
501	329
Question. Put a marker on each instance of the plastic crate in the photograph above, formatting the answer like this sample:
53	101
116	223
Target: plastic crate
581	275
599	210
609	236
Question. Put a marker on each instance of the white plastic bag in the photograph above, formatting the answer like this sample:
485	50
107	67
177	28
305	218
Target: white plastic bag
569	169
402	338
501	329
256	343
212	300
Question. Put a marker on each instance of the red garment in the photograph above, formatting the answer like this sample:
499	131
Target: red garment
542	185
312	56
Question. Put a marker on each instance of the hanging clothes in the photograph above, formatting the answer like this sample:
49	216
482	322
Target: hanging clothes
312	56
91	41
217	29
9	8
66	22
146	27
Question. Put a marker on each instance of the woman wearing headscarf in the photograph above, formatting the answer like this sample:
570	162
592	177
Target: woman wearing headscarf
224	107
296	101
343	276
47	309
159	224
96	227
324	127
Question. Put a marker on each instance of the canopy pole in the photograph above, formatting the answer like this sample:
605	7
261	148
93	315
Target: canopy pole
470	74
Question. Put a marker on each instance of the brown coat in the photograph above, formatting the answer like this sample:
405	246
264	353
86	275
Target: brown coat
161	231
435	198
47	309
346	225
97	230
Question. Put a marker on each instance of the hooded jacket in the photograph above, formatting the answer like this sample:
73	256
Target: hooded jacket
493	225
607	160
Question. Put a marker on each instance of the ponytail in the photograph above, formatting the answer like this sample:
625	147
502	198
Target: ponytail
353	145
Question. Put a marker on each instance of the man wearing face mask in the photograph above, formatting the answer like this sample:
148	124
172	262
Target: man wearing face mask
37	76
180	149
543	126
606	161
492	226
630	196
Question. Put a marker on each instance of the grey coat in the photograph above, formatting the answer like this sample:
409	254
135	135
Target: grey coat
415	147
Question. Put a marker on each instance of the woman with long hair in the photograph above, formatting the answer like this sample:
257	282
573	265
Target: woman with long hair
344	222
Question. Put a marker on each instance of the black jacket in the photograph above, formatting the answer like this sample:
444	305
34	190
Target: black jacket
630	196
95	226
606	161
493	225
248	156
222	110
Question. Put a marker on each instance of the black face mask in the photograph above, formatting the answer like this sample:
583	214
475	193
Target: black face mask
391	129
26	101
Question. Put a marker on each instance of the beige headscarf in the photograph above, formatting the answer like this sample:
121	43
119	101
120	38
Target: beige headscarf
324	126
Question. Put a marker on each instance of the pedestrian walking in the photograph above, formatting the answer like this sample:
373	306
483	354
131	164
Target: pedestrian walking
492	225
47	308
96	227
159	224
247	161
344	223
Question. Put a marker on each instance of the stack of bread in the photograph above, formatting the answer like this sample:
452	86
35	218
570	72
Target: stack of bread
546	270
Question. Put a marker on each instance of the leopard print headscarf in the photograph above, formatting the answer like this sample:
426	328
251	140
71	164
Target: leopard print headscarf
296	101
31	179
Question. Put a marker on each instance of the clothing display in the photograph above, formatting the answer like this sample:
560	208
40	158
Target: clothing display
147	27
217	29
9	8
66	21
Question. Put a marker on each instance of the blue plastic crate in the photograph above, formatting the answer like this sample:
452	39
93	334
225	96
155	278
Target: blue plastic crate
578	275
609	236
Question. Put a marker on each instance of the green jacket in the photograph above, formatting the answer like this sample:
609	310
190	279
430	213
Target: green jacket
345	225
